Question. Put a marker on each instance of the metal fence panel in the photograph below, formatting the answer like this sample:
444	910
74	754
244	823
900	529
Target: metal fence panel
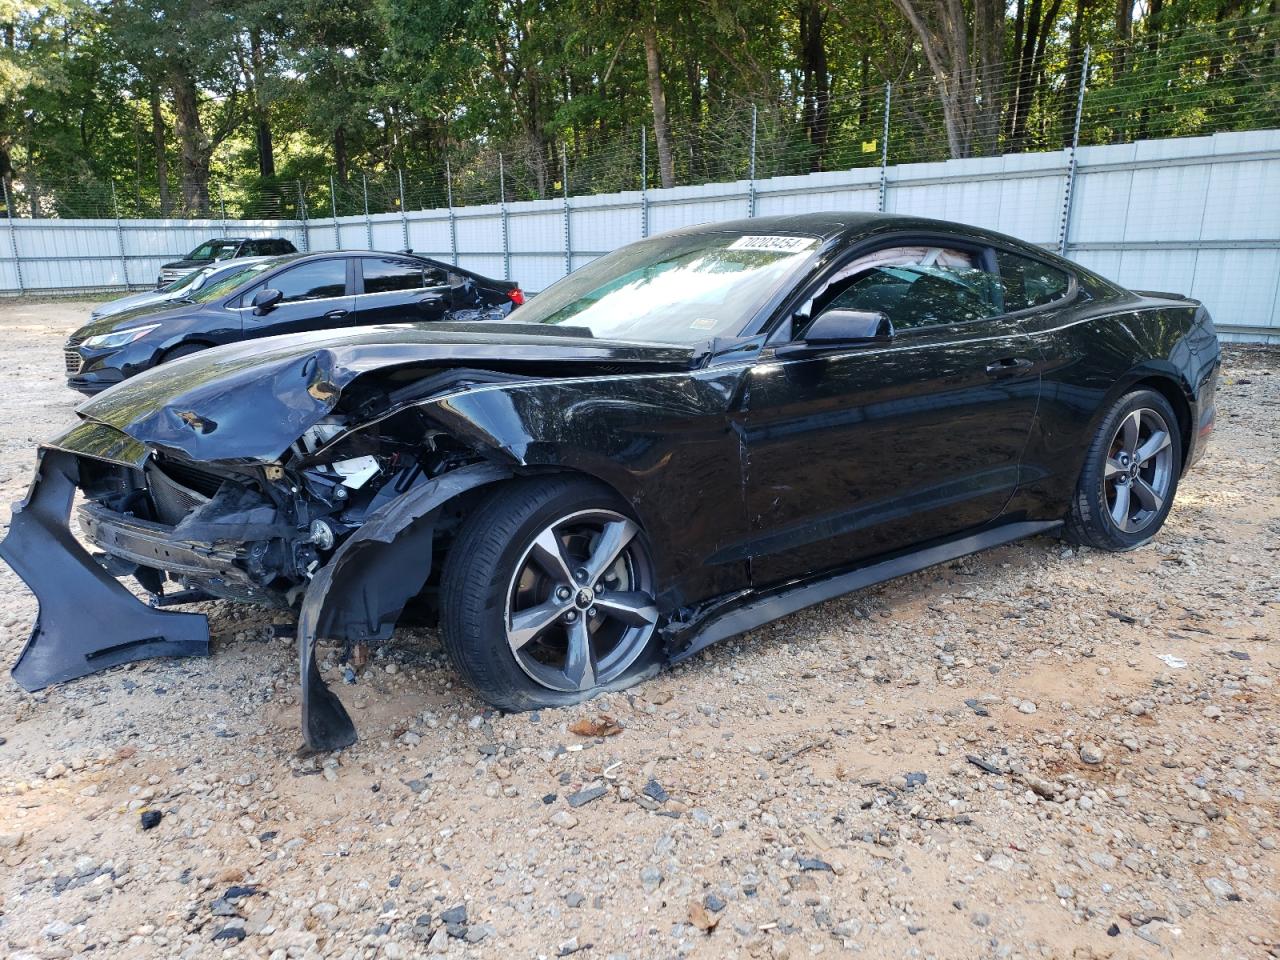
1198	215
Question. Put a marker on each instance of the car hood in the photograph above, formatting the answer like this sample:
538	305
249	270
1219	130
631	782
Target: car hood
248	402
132	302
137	316
185	264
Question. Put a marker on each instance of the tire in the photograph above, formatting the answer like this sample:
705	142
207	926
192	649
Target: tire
1121	501
517	619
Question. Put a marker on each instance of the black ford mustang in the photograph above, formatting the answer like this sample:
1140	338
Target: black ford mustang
277	295
693	435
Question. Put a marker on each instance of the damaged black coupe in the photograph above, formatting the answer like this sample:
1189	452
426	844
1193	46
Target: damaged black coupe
689	437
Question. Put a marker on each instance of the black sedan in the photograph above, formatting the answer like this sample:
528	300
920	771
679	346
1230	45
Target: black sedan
689	437
319	291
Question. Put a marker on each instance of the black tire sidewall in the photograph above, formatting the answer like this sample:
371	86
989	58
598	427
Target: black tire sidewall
1090	521
477	574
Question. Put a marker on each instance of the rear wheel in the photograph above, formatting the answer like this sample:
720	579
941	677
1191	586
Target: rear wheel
1130	476
547	595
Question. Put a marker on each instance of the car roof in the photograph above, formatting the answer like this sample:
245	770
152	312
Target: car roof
852	225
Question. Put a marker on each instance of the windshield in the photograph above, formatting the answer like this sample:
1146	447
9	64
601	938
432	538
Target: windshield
187	283
214	250
680	289
232	280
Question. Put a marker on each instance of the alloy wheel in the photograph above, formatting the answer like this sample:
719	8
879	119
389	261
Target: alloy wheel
580	606
1139	470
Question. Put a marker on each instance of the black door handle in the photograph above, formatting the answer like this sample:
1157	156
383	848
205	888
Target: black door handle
336	314
1009	367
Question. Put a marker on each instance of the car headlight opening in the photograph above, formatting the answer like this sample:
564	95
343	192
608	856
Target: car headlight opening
118	338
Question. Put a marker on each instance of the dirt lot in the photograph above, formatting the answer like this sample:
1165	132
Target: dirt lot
989	759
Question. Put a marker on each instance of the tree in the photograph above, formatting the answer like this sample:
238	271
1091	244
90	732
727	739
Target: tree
963	42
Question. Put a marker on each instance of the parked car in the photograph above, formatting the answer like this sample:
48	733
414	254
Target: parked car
687	438
181	289
223	248
319	291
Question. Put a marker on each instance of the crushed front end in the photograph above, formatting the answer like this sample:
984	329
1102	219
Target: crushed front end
188	531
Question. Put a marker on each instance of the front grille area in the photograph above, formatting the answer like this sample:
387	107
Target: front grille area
192	477
172	500
71	356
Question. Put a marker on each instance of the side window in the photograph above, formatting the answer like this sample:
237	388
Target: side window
311	281
388	276
1028	283
916	287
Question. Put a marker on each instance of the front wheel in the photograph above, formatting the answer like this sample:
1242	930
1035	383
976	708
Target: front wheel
547	594
1130	475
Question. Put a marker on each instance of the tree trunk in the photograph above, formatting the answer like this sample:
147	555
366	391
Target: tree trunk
1124	32
261	111
658	96
964	48
816	82
1075	64
341	158
194	150
161	153
988	44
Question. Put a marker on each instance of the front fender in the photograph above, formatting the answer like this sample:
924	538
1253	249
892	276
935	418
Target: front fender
359	594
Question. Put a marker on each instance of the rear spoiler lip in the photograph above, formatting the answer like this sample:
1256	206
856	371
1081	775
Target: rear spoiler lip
1163	295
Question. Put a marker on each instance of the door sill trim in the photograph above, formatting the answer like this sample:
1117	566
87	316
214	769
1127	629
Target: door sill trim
764	608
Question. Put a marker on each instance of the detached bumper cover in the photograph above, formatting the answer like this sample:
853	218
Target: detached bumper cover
87	620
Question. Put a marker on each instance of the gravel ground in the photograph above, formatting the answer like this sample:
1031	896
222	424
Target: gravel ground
1036	752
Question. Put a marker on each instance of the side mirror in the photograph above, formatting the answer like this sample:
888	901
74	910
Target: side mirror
265	300
837	328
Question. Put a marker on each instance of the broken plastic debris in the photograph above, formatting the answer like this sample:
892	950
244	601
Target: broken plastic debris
601	726
1169	660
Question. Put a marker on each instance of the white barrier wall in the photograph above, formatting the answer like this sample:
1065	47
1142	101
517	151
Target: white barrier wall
1198	215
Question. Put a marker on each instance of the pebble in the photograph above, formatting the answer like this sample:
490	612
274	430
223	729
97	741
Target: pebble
1091	753
583	797
1219	887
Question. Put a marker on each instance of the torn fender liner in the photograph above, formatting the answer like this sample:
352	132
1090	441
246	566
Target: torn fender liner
359	594
87	620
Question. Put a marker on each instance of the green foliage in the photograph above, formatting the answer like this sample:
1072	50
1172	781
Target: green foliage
286	94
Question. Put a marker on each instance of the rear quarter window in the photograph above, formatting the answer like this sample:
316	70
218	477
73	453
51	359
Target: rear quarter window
1029	283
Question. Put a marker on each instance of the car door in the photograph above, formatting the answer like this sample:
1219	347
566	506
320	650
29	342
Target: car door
314	297
878	446
401	290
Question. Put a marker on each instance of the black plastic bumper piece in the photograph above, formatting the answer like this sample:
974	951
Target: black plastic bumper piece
87	620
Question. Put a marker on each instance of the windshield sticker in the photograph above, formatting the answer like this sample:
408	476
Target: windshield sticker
703	323
773	244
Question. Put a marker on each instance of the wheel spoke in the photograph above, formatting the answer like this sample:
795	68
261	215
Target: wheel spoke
1149	499
548	553
578	668
1129	432
527	624
630	606
613	539
1157	442
1112	469
1120	509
